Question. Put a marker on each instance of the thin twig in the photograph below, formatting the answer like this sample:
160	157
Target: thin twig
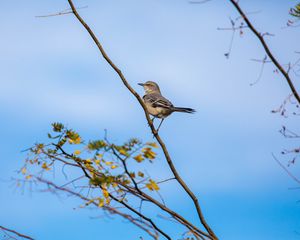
172	213
15	232
126	169
263	62
107	208
141	215
267	49
286	170
64	12
199	2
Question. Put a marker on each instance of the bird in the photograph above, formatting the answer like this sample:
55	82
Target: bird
157	105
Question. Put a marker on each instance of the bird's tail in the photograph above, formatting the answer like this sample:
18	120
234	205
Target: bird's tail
182	109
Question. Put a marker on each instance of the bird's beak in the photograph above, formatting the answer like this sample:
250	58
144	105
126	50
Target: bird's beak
141	84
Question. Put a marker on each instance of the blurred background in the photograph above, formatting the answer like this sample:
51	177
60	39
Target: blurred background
51	71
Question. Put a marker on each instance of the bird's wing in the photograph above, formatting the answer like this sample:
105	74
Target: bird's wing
157	100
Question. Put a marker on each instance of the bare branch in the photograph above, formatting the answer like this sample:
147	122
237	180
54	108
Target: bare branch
64	12
199	2
15	232
282	109
175	215
267	49
263	62
142	216
288	133
286	170
106	207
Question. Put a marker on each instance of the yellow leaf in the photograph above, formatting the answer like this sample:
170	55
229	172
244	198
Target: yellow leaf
152	185
105	193
44	166
39	148
123	152
75	141
108	163
152	144
126	181
140	174
119	190
28	177
77	152
132	174
139	158
23	170
101	202
88	161
97	162
148	153
113	166
89	202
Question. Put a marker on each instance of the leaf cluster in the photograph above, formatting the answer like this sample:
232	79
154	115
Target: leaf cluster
295	11
104	165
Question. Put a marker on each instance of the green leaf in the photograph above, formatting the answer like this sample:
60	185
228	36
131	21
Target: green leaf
96	145
58	127
73	136
295	11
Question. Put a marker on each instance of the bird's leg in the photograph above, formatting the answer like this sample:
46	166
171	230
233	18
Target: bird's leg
160	124
152	121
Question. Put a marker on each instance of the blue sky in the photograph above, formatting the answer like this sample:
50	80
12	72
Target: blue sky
51	71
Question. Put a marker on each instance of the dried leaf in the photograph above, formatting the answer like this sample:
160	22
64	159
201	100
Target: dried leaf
139	158
77	152
152	185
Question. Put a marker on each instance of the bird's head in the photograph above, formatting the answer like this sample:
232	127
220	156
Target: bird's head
150	87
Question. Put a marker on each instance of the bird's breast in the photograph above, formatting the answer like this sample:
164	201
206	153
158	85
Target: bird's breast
158	112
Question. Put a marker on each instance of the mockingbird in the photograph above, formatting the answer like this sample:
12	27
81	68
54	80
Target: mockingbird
157	105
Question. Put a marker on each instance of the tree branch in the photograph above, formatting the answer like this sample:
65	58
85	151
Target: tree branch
141	215
175	215
15	232
155	133
286	170
106	207
118	200
126	169
267	49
